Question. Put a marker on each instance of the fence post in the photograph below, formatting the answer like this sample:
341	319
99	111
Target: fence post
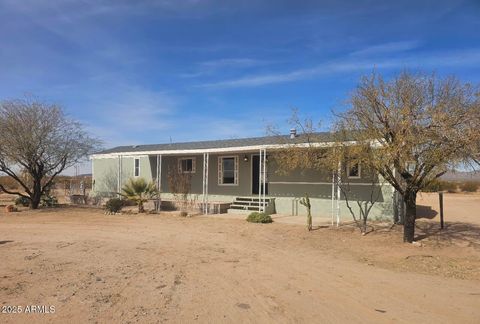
440	197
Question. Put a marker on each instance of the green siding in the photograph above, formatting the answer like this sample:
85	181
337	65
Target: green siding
284	187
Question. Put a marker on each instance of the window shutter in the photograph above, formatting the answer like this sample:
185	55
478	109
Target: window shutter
220	171
236	170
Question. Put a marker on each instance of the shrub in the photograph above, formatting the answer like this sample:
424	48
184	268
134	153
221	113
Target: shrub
440	185
114	205
48	201
469	186
94	198
259	218
22	201
139	191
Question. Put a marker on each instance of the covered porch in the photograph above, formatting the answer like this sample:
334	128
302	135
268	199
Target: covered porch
219	179
234	181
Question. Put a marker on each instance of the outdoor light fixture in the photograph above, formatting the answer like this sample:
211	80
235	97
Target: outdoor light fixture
245	158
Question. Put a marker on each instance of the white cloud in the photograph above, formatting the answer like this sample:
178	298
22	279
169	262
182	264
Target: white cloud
465	58
219	65
386	48
124	114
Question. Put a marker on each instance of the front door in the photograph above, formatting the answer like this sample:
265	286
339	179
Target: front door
255	176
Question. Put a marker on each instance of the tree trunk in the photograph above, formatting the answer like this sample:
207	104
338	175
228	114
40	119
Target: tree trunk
36	194
140	207
410	216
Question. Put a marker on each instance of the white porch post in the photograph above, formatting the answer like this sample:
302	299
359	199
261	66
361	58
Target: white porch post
205	183
159	179
333	196
339	193
119	175
264	178
260	180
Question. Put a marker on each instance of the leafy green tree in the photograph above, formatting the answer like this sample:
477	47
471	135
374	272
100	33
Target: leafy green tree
139	191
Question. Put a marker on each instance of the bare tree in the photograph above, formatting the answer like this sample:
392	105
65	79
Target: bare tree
342	155
411	130
332	161
38	142
179	184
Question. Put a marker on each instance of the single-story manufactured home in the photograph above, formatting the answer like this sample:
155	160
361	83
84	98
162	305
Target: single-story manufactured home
239	176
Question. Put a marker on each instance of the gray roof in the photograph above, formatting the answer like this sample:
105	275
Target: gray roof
240	142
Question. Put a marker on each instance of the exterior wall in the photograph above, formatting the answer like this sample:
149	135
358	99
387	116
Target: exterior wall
105	172
287	189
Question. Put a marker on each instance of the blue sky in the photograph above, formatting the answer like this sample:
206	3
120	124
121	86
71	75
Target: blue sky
139	72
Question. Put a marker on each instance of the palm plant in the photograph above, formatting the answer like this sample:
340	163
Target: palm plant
139	191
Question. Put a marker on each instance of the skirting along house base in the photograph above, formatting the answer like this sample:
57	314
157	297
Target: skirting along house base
238	176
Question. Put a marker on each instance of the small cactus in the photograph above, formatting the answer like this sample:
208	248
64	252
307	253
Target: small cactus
305	201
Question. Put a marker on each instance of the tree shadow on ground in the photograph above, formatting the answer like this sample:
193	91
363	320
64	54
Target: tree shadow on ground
453	233
426	212
5	242
318	227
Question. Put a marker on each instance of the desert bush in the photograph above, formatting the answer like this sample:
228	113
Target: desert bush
259	218
180	185
22	201
440	185
94	198
48	201
183	214
469	186
114	205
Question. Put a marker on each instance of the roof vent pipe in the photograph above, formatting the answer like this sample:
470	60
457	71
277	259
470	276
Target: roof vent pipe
293	132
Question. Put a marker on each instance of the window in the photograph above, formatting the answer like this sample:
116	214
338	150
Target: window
186	165
136	167
228	170
353	170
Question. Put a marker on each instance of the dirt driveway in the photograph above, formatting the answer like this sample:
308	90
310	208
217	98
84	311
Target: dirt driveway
164	268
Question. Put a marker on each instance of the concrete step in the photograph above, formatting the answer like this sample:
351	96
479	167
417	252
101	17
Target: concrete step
241	207
249	203
251	199
240	211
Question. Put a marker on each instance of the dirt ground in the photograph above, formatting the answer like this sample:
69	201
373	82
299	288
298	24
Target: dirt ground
165	268
458	207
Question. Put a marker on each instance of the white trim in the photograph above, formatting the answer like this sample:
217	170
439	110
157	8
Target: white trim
115	156
220	150
235	170
359	171
339	193
179	165
206	159
135	168
93	178
319	183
